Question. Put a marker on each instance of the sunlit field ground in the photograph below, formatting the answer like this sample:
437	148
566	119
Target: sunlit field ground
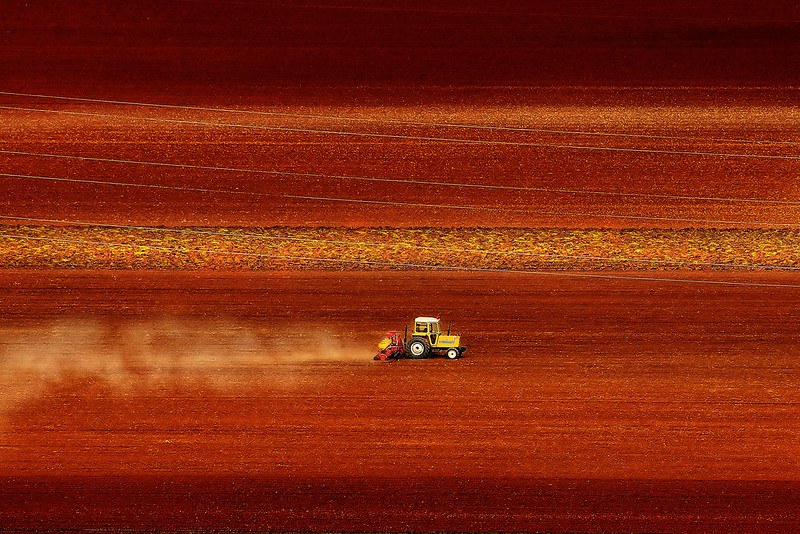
71	247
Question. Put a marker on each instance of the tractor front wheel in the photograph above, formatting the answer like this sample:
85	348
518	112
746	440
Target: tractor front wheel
418	348
452	354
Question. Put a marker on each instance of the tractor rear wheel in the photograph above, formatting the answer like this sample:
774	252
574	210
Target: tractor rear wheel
453	354
418	348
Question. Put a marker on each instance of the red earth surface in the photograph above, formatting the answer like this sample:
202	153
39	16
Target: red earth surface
158	400
249	401
738	155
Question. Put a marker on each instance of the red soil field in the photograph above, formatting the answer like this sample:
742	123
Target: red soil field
220	401
216	45
214	400
759	138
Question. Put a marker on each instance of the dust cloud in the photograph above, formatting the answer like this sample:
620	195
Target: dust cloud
164	354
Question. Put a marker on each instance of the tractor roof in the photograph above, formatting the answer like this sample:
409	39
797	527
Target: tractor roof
426	320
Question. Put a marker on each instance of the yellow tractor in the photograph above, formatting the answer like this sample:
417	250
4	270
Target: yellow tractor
426	339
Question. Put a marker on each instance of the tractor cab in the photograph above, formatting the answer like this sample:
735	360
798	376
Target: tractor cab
427	327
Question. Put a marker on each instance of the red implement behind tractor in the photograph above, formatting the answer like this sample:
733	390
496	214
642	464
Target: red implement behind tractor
393	350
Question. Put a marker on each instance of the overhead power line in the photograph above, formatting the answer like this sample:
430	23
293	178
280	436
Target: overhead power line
430	139
385	120
446	206
259	194
400	180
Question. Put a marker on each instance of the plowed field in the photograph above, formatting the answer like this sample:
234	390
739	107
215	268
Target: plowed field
191	400
212	210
